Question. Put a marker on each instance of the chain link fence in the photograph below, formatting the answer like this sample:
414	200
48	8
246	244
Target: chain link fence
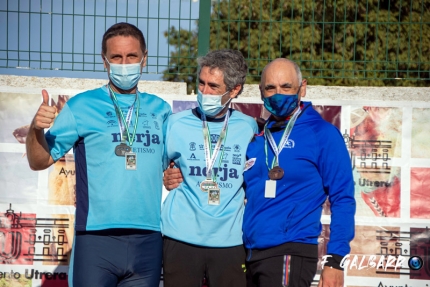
336	42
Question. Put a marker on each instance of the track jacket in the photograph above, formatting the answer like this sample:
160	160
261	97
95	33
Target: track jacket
316	165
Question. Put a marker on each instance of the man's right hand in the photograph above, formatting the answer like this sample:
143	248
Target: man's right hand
38	154
45	114
172	177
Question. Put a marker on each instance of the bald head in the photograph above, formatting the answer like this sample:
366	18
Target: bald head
282	76
279	64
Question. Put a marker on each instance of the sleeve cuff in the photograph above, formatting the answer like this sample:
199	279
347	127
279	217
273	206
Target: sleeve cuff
334	261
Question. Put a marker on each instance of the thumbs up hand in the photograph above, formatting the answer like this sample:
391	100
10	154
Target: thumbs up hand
45	114
172	177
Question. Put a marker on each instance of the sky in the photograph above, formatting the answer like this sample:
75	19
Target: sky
52	38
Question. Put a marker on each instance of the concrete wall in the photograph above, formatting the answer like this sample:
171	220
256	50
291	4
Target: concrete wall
251	93
28	191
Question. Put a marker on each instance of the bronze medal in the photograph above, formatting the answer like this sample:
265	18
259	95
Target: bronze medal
122	149
276	173
207	185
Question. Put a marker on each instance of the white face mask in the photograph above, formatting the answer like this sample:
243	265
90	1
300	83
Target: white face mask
125	76
211	105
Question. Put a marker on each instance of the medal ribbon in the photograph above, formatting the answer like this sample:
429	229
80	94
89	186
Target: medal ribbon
122	128
269	138
126	122
209	155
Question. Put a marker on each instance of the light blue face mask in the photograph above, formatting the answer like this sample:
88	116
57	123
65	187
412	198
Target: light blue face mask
281	105
125	76
211	105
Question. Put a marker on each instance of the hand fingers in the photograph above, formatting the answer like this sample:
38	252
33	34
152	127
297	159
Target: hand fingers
172	177
169	185
167	181
45	97
172	173
172	182
44	117
46	112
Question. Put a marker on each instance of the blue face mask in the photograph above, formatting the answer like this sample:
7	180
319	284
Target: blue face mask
125	76
211	105
281	105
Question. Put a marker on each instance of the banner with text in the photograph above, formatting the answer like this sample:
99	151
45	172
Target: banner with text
390	158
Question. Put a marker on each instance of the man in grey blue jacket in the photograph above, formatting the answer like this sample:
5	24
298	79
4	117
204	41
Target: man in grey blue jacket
294	164
201	220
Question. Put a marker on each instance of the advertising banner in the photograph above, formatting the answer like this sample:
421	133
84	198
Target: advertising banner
390	158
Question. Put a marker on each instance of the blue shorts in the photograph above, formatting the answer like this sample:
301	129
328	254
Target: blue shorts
116	257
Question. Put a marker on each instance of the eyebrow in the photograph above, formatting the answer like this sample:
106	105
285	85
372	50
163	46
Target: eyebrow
120	55
210	83
267	87
284	85
287	85
133	54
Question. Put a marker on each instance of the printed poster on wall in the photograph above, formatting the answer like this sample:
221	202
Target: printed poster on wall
390	158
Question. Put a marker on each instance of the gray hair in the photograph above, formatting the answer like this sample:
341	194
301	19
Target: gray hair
298	71
230	62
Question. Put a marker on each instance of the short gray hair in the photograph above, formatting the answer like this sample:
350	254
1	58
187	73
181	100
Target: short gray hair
230	62
298	71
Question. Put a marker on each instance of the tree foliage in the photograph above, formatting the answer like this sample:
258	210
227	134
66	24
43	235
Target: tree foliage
343	42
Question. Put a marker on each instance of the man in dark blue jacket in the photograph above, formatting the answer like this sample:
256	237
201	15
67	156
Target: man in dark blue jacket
294	164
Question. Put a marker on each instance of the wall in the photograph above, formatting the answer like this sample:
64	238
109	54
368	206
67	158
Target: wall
385	130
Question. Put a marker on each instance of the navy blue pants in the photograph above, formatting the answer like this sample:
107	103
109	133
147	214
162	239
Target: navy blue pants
116	257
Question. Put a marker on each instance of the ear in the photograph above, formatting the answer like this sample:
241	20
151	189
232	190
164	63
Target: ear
145	58
261	92
303	88
104	61
235	91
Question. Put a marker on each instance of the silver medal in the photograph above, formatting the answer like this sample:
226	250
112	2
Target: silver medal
207	185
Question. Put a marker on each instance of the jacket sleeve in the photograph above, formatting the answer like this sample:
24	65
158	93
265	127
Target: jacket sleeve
63	134
338	182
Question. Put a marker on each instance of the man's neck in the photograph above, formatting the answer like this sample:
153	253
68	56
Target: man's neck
223	112
281	119
121	91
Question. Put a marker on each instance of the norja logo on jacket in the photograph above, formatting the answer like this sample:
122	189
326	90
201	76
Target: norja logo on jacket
145	138
222	173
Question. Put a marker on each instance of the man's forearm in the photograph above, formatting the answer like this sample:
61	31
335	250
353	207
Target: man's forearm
38	154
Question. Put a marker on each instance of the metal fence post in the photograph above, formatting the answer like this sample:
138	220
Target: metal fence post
204	27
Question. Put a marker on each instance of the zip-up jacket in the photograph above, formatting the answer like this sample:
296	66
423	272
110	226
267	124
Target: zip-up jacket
316	165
